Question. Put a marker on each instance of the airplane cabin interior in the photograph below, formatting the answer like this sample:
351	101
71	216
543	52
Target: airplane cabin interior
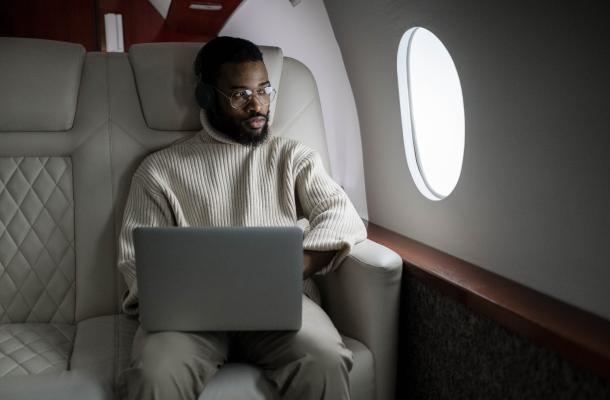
470	139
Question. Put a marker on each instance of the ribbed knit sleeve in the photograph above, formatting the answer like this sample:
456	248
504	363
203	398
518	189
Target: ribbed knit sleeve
334	223
145	206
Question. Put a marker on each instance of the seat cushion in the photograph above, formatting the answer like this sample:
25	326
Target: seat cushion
102	346
65	385
34	348
96	349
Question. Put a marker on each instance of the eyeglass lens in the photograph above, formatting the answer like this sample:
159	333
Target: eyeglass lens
264	95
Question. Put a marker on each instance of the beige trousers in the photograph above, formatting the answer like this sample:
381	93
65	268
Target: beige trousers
312	363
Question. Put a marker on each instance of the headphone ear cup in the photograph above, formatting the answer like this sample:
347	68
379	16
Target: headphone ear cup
205	95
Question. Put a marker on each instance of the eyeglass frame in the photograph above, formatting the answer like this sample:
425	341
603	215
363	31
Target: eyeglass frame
251	96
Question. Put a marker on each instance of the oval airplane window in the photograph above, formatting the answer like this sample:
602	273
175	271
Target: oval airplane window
432	111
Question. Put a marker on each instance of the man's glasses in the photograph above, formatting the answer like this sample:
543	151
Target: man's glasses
240	98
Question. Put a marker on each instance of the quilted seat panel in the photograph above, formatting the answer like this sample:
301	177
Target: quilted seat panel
37	260
35	348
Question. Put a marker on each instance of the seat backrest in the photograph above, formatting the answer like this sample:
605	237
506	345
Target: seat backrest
56	247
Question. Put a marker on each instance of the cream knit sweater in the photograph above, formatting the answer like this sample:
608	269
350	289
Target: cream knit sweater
209	180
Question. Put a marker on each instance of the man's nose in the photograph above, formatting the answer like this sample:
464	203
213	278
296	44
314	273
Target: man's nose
255	104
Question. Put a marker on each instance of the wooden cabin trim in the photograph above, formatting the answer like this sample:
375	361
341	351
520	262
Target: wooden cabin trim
578	335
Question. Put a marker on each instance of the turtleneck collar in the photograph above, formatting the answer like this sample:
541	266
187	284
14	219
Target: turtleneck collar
210	134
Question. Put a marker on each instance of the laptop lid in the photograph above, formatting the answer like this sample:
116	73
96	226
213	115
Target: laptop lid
219	279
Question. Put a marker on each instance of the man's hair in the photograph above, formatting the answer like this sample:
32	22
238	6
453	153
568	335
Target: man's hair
220	50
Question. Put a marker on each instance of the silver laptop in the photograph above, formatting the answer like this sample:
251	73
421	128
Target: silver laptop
219	279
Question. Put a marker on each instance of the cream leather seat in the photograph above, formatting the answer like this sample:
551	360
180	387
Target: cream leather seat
58	301
86	121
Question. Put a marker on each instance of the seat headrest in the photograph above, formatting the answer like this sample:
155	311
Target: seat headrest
166	82
39	82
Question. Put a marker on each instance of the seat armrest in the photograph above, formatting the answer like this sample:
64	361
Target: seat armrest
362	298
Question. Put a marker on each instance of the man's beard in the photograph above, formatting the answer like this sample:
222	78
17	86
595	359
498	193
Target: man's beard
236	129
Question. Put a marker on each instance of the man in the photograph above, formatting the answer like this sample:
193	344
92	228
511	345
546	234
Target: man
234	173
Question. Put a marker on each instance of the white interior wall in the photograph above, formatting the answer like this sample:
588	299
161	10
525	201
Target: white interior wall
304	33
532	202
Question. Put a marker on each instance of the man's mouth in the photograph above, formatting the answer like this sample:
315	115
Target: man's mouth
256	122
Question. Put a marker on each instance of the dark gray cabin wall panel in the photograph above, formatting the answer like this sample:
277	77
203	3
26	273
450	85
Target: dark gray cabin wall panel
475	358
532	200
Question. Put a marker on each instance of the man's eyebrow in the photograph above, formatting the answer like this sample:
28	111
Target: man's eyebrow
245	87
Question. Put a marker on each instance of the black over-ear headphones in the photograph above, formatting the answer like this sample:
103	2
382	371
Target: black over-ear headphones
204	93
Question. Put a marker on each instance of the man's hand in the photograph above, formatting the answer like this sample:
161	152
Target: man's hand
315	260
